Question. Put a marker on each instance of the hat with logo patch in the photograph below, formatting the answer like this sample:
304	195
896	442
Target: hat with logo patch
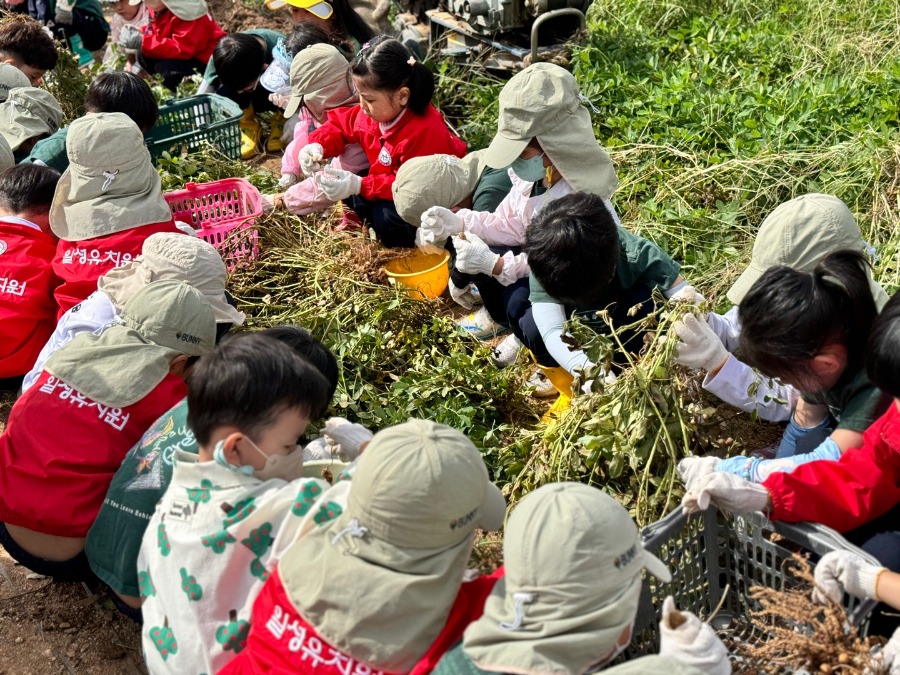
28	112
11	78
397	554
435	180
574	561
129	358
799	233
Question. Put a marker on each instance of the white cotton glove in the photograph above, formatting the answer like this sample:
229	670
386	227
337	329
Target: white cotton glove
345	437
887	661
338	184
130	39
608	379
844	571
684	292
727	491
691	468
317	449
312	158
699	346
686	639
287	179
63	16
473	256
437	224
463	296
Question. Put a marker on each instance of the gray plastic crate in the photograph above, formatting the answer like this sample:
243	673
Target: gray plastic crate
711	555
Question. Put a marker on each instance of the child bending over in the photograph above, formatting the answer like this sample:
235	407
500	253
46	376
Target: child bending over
393	122
233	508
27	308
107	203
29	115
98	393
25	44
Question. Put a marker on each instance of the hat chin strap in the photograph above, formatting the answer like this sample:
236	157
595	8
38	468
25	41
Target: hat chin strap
521	599
110	176
354	529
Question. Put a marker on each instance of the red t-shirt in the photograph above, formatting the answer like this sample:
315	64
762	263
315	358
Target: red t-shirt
27	307
281	642
60	451
80	263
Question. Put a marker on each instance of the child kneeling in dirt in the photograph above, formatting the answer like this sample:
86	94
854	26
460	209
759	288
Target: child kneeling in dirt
569	598
583	262
27	308
94	399
233	508
381	588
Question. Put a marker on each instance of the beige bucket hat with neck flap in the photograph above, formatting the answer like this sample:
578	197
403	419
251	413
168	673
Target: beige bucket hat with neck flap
111	184
378	583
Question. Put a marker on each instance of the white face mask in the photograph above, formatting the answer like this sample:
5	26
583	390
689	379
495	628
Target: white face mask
286	467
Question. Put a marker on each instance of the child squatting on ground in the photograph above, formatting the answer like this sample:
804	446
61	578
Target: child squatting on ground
102	392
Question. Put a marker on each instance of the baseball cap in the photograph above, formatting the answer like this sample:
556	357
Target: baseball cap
799	233
170	255
28	112
128	359
319	8
435	180
110	185
11	78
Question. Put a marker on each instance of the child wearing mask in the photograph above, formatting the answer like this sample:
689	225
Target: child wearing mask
233	508
394	121
94	399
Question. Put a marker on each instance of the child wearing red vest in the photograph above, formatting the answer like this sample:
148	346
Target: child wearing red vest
178	41
393	122
67	435
27	281
380	589
107	203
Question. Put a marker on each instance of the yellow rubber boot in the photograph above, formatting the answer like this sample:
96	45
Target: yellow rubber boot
251	132
562	381
276	129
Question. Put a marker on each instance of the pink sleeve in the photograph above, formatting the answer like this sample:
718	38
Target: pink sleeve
503	227
305	197
290	163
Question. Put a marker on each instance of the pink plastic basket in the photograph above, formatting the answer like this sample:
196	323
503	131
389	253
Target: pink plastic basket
224	213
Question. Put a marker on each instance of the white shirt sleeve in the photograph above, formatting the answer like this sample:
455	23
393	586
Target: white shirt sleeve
549	318
772	400
727	327
90	315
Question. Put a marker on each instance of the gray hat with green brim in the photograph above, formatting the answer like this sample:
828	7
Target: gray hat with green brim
320	80
11	78
7	160
110	185
798	234
435	180
397	555
127	360
28	112
544	102
574	562
171	255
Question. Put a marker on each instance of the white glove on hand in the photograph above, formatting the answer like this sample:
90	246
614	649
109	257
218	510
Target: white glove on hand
439	223
843	571
686	639
686	293
338	184
462	296
699	346
130	39
691	468
311	157
473	256
287	179
727	491
317	449
63	16
887	661
347	436
608	379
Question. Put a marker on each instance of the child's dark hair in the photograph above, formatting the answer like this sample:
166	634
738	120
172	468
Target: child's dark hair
305	35
348	23
387	65
27	188
883	349
247	382
302	342
788	316
25	40
239	59
573	249
123	93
